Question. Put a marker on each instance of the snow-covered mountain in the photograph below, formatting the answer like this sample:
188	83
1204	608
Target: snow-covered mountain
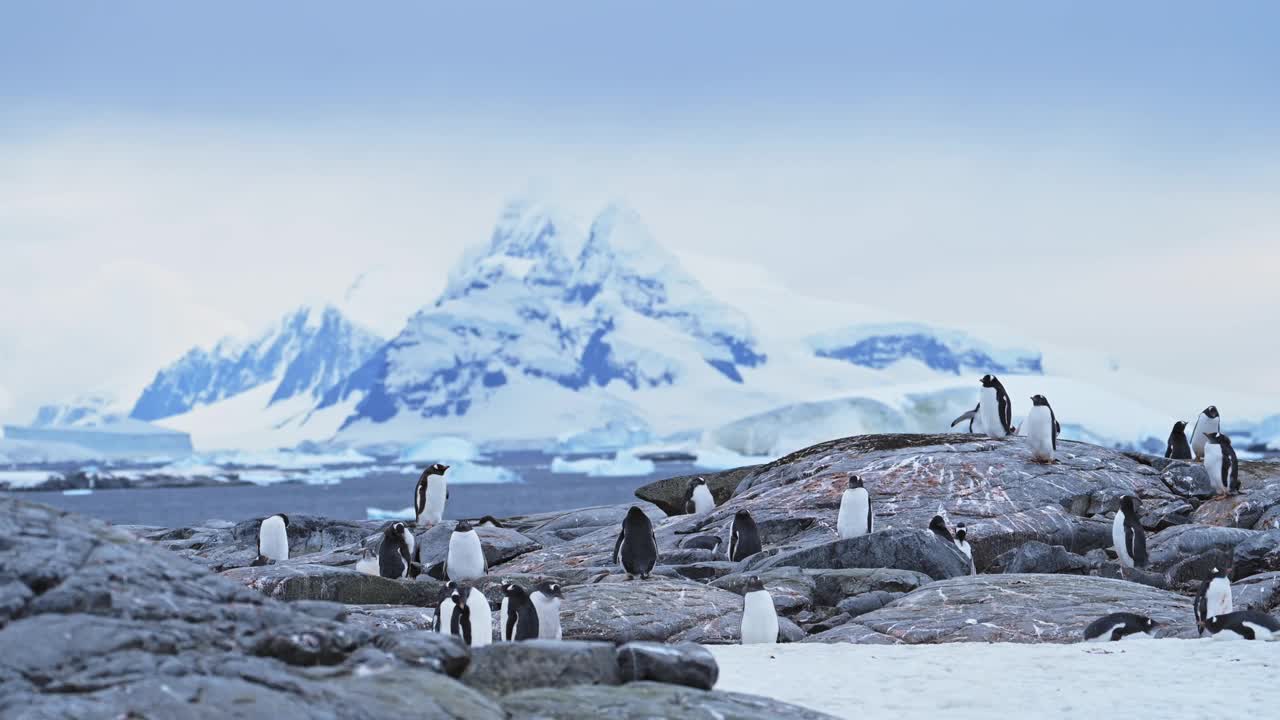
87	410
881	345
304	354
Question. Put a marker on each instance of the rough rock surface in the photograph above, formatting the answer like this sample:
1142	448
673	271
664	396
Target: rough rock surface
918	550
669	494
655	609
682	664
1037	557
504	668
646	700
296	580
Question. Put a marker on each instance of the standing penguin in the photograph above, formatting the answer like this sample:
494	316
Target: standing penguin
995	408
396	552
1243	625
1214	597
939	528
1178	447
444	609
973	416
481	618
430	495
273	539
759	616
460	616
963	544
1221	463
744	538
1042	429
855	516
465	560
519	617
1209	422
546	598
1128	536
1118	626
698	500
636	546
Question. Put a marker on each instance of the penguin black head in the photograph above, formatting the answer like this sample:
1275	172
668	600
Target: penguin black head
550	589
854	482
1221	572
457	597
989	381
1129	504
1214	438
1223	439
1213	624
1211	412
462	526
754	584
284	518
937	524
960	531
697	481
1148	624
635	513
436	469
396	530
490	521
514	591
1180	426
1039	400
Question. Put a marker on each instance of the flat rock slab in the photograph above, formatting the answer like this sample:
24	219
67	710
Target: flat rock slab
1166	549
654	610
727	630
833	586
852	633
901	549
1260	592
646	700
499	544
687	664
1024	608
298	581
390	617
504	668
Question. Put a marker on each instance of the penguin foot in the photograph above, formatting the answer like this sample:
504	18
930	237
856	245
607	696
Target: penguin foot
630	576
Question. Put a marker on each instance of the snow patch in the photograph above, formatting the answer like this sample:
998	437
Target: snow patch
442	448
623	464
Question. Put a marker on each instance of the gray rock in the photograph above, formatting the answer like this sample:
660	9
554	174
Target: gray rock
792	590
866	602
918	550
655	610
296	581
669	494
1186	574
685	664
645	700
307	533
1037	557
1160	515
1241	511
1051	525
405	693
504	668
1023	608
499	544
560	526
426	649
852	633
1258	554
832	586
705	571
1178	543
390	617
303	645
1259	592
1187	480
727	630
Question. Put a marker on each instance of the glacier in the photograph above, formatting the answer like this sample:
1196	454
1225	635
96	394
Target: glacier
879	345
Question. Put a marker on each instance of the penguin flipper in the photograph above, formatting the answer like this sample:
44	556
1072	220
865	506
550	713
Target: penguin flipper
967	416
617	546
510	622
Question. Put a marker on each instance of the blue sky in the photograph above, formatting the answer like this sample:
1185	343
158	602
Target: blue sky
1088	173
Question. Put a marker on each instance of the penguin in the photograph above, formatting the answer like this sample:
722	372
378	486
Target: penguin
368	563
519	616
698	500
481	618
637	547
995	408
395	555
273	539
1243	625
1208	422
489	521
855	516
703	542
963	545
939	528
1214	597
1221	463
759	616
1118	626
444	609
1042	429
1128	536
744	538
460	616
430	496
546	598
1178	447
973	416
465	560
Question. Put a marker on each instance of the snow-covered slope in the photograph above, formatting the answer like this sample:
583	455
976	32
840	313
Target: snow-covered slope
304	354
879	345
87	410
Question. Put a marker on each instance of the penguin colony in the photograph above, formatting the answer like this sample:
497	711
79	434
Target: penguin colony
534	613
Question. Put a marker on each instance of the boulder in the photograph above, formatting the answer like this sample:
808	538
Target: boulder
1050	525
669	494
866	602
1178	543
308	533
507	667
299	581
552	528
1023	608
499	544
1257	554
1037	557
654	610
1239	511
644	700
1259	592
832	586
792	590
390	617
918	550
685	664
727	630
1188	480
852	633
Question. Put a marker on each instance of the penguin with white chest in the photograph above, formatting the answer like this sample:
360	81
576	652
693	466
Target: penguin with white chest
1214	597
759	616
636	547
995	408
973	417
430	496
1128	536
855	516
1243	625
273	539
963	544
1178	448
443	620
465	560
939	527
698	500
1221	464
1207	423
1118	626
547	598
744	537
519	616
396	553
1042	430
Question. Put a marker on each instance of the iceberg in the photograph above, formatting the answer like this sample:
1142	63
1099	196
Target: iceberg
624	463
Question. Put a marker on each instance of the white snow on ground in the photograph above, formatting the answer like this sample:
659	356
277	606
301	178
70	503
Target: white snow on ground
249	422
622	464
1162	679
442	448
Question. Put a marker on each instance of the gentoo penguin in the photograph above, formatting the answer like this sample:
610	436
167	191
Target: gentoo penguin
1208	422
759	616
1178	447
368	563
481	618
444	610
465	560
855	510
703	542
995	408
1128	536
939	528
460	616
974	416
1221	463
395	555
519	617
273	539
430	495
1042	429
698	500
1214	597
546	598
963	544
636	546
489	521
1119	625
744	538
1243	625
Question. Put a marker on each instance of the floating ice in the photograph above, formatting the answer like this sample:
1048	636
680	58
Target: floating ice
622	464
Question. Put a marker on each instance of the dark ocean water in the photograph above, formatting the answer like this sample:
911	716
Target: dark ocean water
541	491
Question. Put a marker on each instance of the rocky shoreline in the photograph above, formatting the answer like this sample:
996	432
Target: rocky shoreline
186	606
